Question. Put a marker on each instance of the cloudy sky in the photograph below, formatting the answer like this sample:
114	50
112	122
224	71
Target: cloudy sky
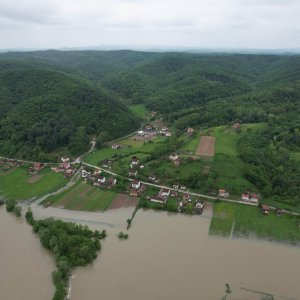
150	23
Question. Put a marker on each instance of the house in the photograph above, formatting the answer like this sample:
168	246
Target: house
111	181
177	162
245	197
135	184
183	187
97	172
37	166
164	129
85	174
134	161
190	132
148	127
65	159
101	179
69	173
278	212
142	166
141	133
106	163
66	165
168	133
115	146
199	207
132	172
173	194
186	197
176	186
153	114
265	209
223	193
152	178
134	193
237	125
164	192
158	199
173	156
253	197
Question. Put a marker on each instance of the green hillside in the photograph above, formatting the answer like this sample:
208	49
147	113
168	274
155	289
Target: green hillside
45	110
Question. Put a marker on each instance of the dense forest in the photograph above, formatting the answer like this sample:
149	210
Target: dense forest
46	112
55	101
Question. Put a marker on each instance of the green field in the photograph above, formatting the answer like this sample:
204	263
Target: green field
82	196
222	221
139	110
249	221
190	144
16	183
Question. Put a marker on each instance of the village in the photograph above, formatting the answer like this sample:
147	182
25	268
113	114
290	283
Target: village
174	198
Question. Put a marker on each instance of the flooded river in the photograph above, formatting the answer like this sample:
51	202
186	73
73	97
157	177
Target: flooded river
173	257
25	267
167	256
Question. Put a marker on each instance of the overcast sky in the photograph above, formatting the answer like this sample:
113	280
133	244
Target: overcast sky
150	23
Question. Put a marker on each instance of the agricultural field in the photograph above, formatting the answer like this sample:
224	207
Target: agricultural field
84	197
17	184
206	146
247	221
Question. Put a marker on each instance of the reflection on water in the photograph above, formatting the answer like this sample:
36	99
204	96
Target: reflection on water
26	267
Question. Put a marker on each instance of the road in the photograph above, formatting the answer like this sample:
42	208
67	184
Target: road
170	188
76	176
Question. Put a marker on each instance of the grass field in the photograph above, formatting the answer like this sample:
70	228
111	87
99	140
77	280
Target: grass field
190	143
295	156
222	221
83	197
15	185
139	110
249	221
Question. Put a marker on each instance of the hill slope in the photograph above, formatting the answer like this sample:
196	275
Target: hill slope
44	110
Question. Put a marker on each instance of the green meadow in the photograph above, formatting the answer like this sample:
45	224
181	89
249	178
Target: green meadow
84	197
246	221
17	184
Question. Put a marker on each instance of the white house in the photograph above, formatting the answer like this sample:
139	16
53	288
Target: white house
164	192
136	184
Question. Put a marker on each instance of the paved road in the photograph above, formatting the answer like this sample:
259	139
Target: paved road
171	188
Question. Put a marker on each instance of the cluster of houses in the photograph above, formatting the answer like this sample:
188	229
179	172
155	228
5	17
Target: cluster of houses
184	199
250	197
65	167
134	166
6	164
136	188
97	178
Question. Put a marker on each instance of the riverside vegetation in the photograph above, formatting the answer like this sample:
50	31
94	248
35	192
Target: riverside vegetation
72	245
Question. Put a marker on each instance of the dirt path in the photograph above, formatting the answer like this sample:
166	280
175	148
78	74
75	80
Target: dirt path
206	146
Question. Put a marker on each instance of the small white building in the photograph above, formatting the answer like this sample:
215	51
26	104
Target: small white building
136	184
164	192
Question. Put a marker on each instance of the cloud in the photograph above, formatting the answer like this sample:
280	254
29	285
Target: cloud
196	23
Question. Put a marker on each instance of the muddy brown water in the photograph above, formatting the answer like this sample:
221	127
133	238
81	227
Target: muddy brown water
25	266
167	256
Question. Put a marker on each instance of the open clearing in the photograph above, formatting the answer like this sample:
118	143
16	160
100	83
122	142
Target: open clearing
16	184
206	146
122	200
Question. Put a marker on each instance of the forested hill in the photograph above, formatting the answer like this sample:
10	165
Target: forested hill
51	100
46	113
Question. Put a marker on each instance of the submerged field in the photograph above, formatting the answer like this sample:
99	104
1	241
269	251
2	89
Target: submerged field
83	196
17	184
244	221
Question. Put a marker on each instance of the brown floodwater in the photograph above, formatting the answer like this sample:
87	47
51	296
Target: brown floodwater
172	256
25	266
167	256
